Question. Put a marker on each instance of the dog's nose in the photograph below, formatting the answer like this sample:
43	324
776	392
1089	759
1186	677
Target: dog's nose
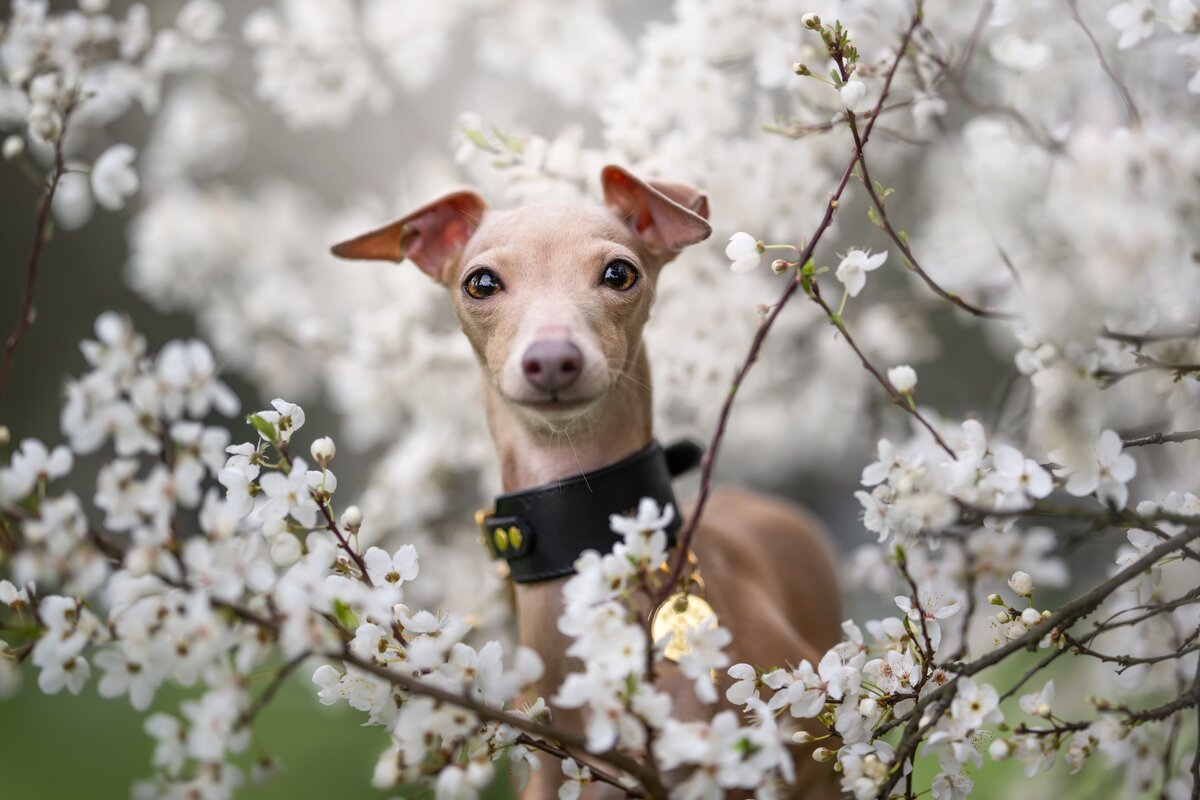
552	364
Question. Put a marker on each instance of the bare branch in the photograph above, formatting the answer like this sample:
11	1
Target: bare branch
39	240
1163	438
714	447
1135	118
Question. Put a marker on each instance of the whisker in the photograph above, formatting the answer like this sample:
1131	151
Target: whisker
578	463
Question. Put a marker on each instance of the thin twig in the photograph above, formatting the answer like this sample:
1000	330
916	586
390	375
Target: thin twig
563	754
714	447
1162	438
261	702
39	240
1131	110
898	398
642	772
939	699
902	244
1140	339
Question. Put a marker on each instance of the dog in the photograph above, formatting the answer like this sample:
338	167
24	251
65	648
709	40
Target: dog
553	299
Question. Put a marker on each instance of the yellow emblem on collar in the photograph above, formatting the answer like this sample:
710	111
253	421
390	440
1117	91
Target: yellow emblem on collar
679	613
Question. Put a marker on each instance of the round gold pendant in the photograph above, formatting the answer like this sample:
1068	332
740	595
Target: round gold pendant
678	614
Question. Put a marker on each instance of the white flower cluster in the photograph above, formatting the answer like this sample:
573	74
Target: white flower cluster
920	488
267	570
861	685
65	75
1059	196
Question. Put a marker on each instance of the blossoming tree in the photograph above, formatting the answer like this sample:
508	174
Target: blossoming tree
1048	218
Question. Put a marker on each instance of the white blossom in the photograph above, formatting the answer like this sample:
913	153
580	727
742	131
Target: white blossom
744	251
113	178
853	269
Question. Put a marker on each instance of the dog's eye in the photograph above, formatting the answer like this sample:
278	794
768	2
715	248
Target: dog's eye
482	284
619	274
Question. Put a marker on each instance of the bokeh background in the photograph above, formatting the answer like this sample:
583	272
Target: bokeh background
244	185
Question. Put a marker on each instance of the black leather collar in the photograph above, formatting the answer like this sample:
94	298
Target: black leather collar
540	532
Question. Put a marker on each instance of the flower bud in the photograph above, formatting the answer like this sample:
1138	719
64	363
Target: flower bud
801	69
286	550
811	21
1021	583
139	561
802	737
995	599
903	377
1031	617
1043	710
999	750
352	519
323	450
780	266
823	754
14	147
1046	614
5	436
1002	617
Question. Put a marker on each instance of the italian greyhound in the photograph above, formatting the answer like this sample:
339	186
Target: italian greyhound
553	299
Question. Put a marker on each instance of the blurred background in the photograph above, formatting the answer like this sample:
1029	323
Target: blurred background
298	123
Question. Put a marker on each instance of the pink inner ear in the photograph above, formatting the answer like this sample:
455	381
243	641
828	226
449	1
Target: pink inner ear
433	236
664	224
435	239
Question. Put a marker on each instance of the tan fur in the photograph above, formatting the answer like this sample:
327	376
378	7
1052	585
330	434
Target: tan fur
767	566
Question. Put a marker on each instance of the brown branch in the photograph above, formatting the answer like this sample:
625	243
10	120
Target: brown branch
330	523
1110	623
1110	377
1140	339
714	447
1131	110
901	400
39	240
902	244
332	527
642	772
1163	438
1196	757
939	699
1184	648
563	754
261	702
1034	670
839	119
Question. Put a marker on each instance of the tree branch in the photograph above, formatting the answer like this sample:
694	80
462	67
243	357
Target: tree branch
1163	438
714	447
1131	110
39	240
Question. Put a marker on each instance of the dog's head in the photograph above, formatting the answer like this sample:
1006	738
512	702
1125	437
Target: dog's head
552	297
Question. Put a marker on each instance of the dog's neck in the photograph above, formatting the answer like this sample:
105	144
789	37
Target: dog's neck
620	425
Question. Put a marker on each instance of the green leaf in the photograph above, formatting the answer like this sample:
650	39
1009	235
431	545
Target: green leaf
345	615
262	426
477	138
511	143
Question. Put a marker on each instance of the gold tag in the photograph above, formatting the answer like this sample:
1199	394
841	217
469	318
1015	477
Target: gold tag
679	614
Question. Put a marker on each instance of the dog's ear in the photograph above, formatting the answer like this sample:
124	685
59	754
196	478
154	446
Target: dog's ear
433	236
667	216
